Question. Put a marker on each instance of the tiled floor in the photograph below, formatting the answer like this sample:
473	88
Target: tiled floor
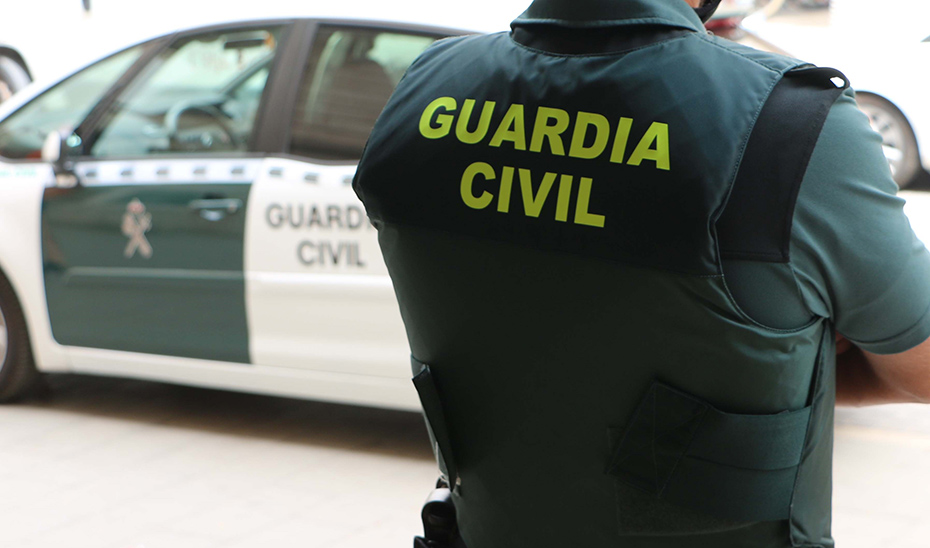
105	463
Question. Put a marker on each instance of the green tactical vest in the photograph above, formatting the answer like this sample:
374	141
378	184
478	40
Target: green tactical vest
554	225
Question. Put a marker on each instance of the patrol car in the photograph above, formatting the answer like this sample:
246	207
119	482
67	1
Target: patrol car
182	211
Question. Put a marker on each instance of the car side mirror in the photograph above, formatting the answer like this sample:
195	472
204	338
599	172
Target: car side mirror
55	151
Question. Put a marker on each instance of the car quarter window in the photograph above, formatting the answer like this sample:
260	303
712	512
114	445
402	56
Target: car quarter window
198	96
349	76
62	107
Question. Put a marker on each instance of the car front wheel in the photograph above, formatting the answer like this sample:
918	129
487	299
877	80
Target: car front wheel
17	371
898	141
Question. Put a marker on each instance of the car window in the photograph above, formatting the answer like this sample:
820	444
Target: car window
62	107
200	95
349	76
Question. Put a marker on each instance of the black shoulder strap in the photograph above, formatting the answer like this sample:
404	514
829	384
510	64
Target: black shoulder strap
756	221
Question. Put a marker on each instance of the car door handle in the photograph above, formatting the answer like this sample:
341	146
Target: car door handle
215	209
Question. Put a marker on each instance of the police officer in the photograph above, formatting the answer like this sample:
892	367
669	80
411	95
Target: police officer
623	249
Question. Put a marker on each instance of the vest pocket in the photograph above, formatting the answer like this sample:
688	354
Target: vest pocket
682	450
435	420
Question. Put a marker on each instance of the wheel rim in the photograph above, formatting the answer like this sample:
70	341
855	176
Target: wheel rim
4	340
894	136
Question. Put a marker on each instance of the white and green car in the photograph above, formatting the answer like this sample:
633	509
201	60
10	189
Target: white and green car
182	211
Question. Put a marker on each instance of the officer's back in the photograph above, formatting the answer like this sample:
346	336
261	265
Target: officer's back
548	205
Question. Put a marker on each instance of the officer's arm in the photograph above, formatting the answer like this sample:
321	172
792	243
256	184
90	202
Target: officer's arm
863	378
858	262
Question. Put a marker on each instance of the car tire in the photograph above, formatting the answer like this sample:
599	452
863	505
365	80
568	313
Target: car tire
18	374
13	77
898	140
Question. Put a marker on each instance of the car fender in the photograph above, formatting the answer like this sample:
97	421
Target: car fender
21	189
914	110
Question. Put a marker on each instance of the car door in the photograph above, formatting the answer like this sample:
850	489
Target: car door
319	295
145	253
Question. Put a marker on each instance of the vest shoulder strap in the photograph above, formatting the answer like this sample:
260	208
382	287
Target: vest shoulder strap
755	223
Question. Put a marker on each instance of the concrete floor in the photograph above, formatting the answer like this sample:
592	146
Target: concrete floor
109	463
881	474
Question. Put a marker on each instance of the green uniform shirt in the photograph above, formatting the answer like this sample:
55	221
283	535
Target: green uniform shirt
854	257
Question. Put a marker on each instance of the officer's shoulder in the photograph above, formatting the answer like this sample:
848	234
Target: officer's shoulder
770	60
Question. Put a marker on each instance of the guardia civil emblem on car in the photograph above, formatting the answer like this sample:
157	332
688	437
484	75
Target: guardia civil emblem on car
136	222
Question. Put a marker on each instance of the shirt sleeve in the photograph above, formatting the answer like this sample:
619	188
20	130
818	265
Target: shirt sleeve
856	258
